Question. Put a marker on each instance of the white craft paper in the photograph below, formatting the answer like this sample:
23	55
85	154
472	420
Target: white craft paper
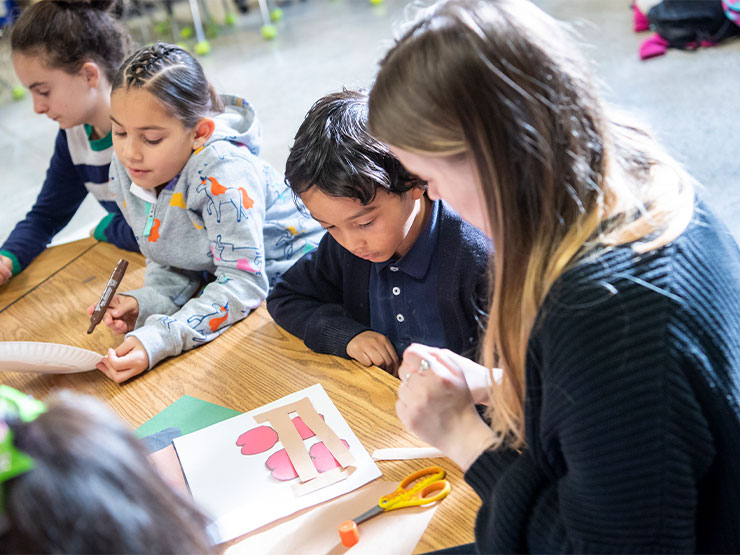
315	531
238	491
406	453
46	358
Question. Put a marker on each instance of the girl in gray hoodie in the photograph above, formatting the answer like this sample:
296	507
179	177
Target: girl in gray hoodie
204	208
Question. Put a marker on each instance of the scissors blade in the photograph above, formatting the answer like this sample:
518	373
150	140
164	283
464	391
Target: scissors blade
376	510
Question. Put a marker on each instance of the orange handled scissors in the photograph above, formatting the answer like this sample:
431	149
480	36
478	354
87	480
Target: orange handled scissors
420	488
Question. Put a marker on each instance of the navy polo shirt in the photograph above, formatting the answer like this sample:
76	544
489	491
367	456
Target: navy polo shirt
403	293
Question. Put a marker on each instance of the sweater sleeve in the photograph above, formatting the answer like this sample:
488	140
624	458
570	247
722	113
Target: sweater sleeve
241	282
61	195
113	228
307	300
164	291
617	441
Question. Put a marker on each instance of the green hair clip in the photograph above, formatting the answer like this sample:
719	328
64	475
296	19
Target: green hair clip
12	461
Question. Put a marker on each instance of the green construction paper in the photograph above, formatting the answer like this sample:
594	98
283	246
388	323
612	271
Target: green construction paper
189	414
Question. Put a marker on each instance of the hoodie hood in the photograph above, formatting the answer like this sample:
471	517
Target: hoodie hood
238	124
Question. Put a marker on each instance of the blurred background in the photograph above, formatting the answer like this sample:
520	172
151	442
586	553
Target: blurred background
282	57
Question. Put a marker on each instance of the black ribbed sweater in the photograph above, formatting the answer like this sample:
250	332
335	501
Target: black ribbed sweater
632	409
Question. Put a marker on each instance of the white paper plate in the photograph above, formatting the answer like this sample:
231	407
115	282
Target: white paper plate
46	358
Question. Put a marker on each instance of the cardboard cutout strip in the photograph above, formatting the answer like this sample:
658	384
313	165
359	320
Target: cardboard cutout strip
280	420
324	479
322	430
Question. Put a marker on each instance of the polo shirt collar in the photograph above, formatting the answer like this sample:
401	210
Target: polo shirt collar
416	262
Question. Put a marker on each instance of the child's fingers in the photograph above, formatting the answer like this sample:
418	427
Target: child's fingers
118	327
104	365
120	369
5	273
103	368
393	353
123	375
108	319
379	357
364	359
392	356
387	359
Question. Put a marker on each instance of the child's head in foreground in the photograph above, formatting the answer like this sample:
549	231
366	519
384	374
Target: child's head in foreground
74	479
351	183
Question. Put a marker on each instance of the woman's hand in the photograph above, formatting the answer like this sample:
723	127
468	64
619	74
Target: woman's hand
477	377
6	269
125	362
436	404
121	315
371	347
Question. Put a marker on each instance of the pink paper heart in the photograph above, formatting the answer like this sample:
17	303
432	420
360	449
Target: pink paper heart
257	440
302	428
282	469
280	465
263	438
322	458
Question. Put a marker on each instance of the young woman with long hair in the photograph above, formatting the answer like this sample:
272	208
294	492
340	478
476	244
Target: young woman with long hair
614	320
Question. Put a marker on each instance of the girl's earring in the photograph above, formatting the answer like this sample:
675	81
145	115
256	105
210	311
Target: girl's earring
195	144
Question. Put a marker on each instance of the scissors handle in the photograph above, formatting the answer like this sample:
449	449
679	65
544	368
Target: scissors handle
430	473
428	481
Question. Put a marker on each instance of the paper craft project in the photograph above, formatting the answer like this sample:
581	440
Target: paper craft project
268	463
47	358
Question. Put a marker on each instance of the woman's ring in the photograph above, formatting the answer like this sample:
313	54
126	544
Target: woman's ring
424	365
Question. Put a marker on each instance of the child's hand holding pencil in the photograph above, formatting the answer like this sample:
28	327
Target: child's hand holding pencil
121	314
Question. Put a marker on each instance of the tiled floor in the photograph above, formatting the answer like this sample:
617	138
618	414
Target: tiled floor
323	45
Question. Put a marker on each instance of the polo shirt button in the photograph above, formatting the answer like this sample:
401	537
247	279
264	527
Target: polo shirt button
393	268
396	290
400	317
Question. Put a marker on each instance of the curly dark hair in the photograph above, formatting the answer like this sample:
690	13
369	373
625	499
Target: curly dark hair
334	151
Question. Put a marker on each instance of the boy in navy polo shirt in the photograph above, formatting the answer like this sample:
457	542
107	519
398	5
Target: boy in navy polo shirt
395	268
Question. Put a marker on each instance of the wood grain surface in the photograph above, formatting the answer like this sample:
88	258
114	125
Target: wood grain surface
45	265
251	364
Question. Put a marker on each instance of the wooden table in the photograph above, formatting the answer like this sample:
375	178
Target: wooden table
251	364
43	267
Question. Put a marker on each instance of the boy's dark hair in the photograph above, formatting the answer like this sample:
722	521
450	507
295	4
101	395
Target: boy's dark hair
92	489
174	77
334	151
68	33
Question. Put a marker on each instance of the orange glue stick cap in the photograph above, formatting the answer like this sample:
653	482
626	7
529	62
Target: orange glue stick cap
348	533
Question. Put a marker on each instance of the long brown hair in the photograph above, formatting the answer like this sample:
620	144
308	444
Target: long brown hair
68	33
563	178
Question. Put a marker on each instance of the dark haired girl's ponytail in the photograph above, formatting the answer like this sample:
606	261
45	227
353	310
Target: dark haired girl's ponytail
217	105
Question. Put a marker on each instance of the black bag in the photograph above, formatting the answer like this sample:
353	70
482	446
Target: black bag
687	23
